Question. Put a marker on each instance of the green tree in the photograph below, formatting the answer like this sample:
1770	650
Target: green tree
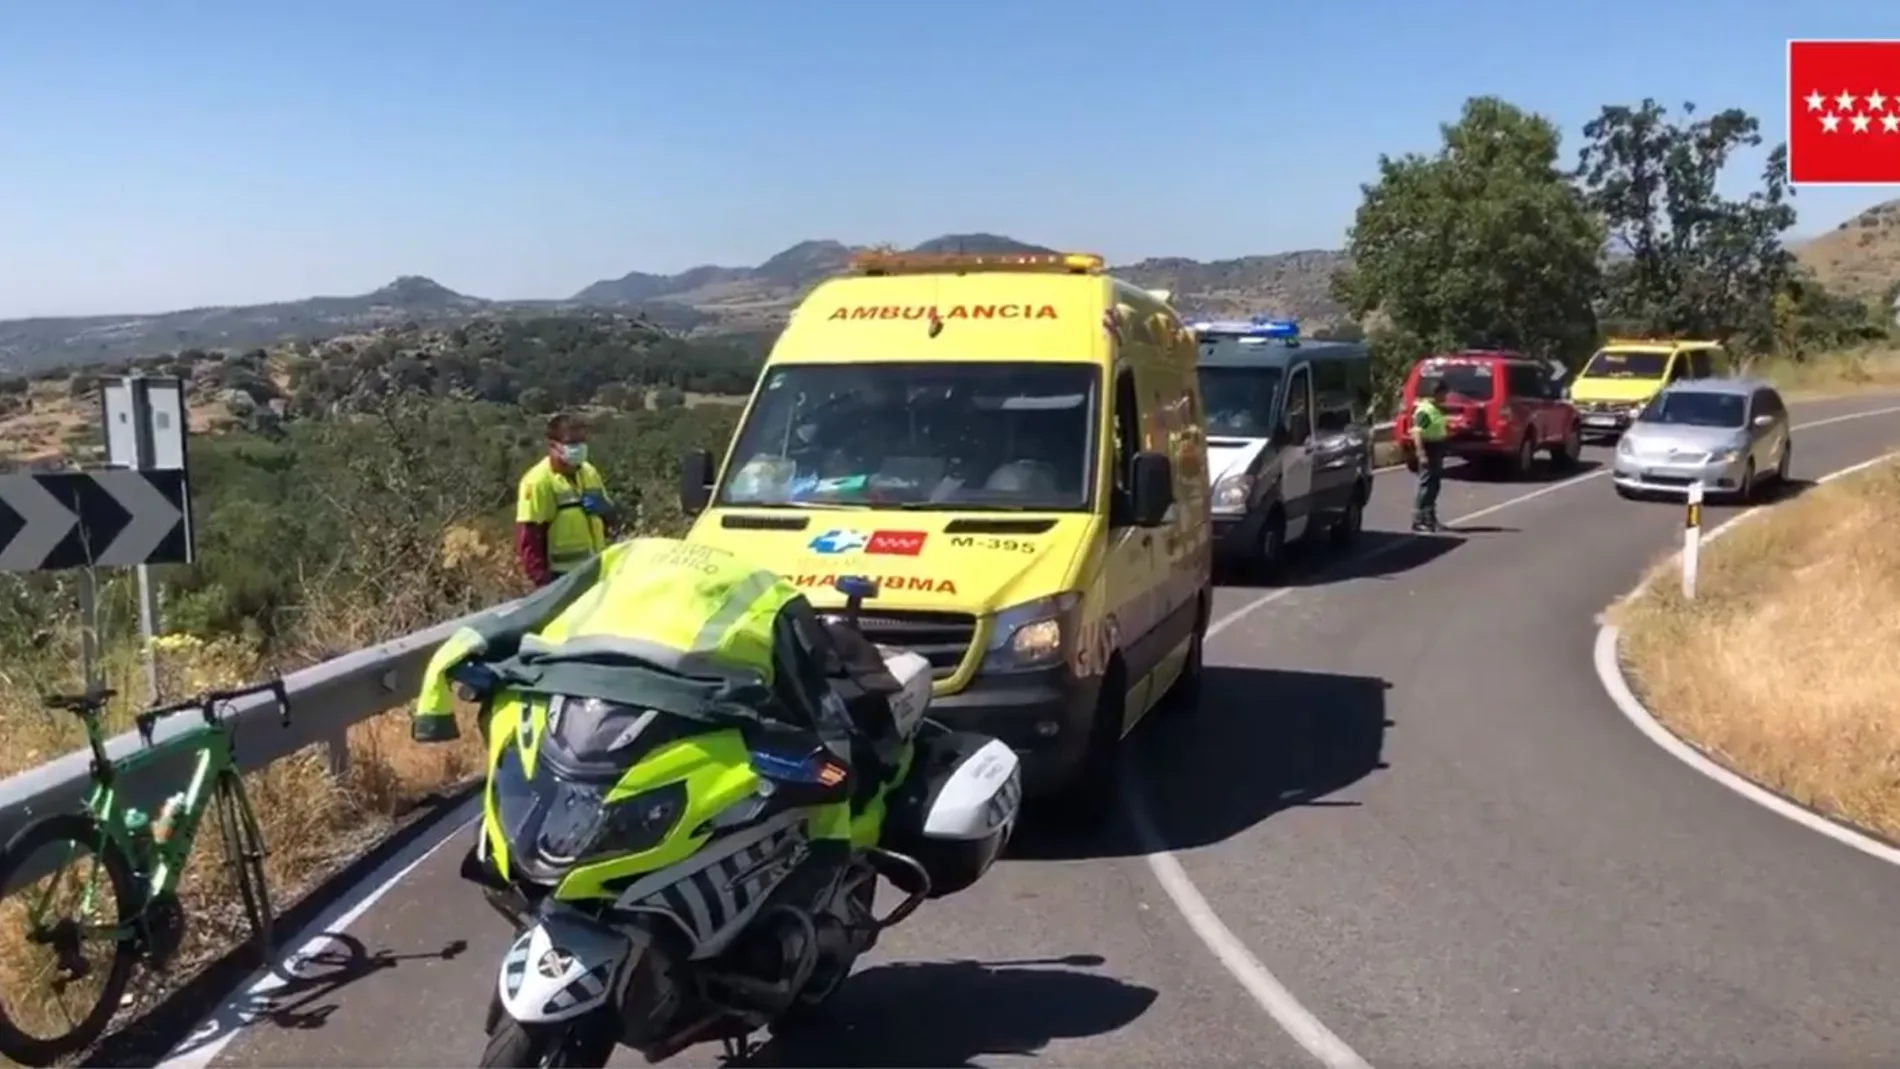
537	400
1684	259
1484	243
616	395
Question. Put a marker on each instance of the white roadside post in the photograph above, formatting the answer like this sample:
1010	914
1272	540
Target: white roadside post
145	427
1691	539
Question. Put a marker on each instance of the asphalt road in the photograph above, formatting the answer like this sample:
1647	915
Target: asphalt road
1405	793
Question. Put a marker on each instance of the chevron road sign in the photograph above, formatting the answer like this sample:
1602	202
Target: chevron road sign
109	518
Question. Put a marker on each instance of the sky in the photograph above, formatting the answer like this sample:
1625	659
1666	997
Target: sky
162	154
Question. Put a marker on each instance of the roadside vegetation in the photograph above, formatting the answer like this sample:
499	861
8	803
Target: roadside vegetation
1783	667
1497	241
356	489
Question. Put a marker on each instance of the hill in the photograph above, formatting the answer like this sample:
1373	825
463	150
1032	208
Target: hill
1861	257
32	345
705	299
1293	283
596	360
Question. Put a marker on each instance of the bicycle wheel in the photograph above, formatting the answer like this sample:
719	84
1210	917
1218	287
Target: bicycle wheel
244	855
41	945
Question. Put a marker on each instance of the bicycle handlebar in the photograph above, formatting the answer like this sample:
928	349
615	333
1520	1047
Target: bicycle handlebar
208	701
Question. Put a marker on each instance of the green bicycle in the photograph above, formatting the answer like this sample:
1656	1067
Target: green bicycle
136	861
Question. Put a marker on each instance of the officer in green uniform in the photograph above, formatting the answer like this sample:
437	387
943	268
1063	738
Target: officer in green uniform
1429	431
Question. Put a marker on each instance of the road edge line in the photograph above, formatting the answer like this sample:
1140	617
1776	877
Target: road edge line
1298	1022
1231	951
1607	657
236	1013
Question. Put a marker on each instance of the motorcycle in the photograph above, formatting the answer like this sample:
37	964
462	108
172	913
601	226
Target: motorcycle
657	869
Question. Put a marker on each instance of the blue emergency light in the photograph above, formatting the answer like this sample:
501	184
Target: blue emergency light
1257	327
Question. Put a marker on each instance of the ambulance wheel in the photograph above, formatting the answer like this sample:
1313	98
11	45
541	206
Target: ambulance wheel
1087	803
1184	694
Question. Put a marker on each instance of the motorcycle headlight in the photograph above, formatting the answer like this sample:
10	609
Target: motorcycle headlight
1035	634
639	822
549	823
1231	491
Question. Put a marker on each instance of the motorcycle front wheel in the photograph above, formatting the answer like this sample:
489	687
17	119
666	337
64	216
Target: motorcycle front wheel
582	1043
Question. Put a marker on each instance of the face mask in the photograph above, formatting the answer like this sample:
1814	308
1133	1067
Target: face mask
574	454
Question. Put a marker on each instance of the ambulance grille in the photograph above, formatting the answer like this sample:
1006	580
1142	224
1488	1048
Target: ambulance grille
942	638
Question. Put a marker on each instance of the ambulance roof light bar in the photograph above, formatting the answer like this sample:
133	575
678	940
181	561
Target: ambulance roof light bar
879	262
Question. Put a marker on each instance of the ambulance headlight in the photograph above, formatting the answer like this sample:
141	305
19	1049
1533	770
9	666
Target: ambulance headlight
1231	491
1035	634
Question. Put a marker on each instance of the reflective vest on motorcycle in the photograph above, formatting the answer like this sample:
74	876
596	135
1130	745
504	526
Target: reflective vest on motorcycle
684	607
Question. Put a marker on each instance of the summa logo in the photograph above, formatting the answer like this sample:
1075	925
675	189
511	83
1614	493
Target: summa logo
896	543
838	541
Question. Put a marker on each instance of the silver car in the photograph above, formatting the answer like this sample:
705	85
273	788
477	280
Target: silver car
1727	434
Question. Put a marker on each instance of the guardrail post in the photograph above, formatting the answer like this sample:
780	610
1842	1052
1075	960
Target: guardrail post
1691	540
336	753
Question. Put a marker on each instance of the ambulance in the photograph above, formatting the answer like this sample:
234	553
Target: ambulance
1011	447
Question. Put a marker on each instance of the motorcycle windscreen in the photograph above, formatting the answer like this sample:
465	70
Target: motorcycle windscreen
550	820
546	820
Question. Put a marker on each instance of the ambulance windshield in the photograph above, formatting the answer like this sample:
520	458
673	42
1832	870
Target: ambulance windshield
971	436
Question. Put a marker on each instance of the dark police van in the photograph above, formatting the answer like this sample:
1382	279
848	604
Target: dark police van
1289	437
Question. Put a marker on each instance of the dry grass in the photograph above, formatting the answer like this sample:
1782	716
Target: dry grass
313	822
1783	668
1830	374
47	422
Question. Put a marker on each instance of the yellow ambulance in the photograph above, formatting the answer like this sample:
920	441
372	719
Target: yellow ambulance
1011	446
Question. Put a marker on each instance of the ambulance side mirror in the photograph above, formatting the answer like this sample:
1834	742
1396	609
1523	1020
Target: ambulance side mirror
1152	483
696	479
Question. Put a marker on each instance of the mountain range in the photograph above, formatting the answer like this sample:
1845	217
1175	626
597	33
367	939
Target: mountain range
699	299
1861	257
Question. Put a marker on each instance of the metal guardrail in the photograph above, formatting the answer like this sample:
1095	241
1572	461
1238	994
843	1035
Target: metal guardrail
325	700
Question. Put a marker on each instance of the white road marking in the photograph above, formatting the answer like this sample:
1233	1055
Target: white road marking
1610	673
1276	594
1272	596
212	1036
216	1032
1254	977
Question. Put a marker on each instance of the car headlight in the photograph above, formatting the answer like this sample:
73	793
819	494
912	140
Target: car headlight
1232	491
1625	445
1725	456
1035	634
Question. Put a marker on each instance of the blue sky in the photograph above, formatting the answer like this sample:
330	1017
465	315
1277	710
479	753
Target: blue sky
168	153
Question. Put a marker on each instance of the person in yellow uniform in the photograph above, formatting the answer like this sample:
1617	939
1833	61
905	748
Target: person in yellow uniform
562	509
1429	431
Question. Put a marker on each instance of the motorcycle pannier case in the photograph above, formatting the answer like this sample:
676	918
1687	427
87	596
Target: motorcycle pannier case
956	809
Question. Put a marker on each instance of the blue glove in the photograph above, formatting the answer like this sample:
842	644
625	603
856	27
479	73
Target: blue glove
594	504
